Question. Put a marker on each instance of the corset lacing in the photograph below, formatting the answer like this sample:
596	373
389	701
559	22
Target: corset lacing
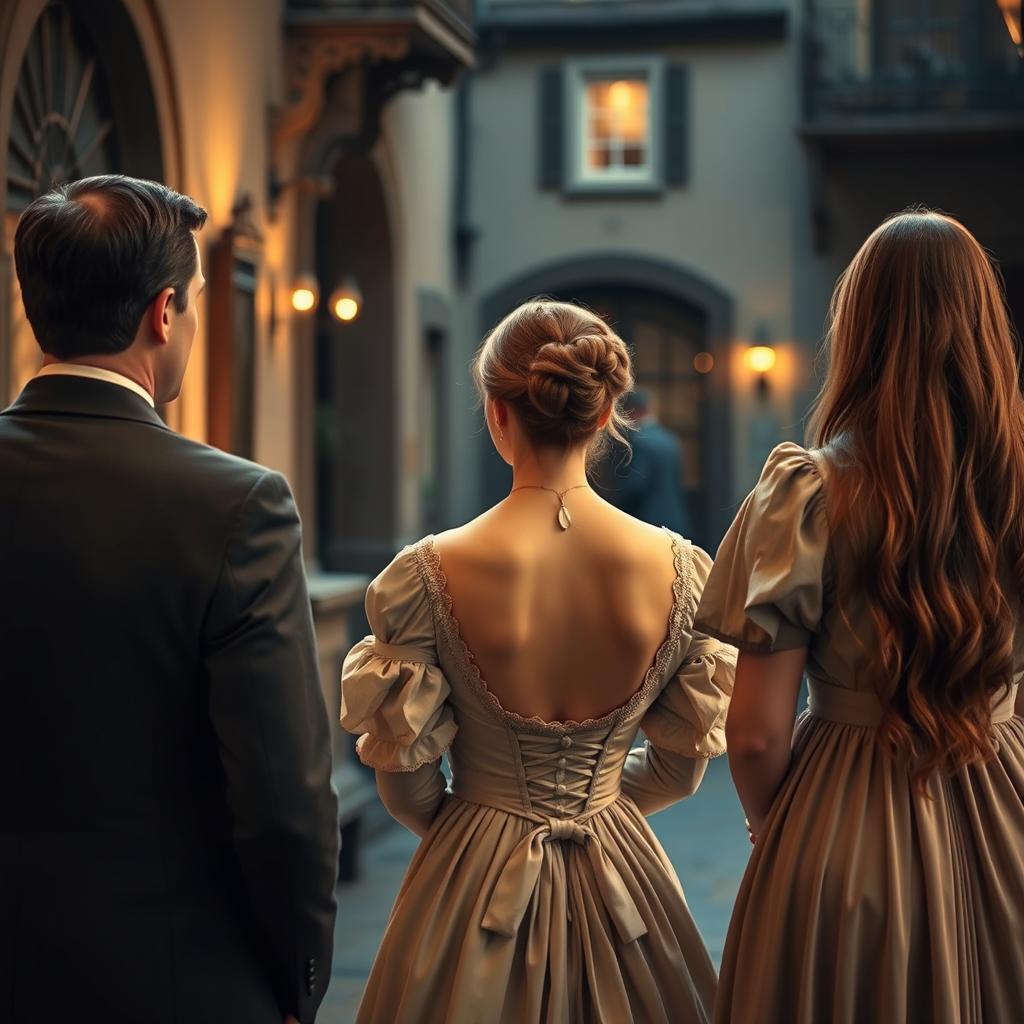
559	772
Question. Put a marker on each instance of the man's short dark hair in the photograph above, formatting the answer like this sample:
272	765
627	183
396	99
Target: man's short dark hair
92	255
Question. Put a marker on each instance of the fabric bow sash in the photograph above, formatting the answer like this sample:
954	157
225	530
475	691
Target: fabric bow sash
518	881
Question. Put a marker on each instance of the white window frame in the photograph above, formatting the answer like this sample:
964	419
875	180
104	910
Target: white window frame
577	73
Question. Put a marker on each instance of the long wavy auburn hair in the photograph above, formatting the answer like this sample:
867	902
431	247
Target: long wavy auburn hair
923	393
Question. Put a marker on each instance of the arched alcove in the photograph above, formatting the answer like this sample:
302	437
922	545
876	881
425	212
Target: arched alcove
354	420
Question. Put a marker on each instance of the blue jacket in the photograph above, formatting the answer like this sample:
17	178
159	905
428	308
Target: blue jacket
649	486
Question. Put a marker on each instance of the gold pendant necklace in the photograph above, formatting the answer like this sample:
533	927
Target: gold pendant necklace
563	519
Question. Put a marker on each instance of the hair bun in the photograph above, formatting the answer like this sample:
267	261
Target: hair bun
561	367
577	379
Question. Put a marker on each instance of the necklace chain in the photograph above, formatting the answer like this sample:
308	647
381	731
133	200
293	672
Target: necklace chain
540	487
564	519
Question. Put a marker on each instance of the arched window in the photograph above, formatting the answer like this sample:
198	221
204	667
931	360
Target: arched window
82	104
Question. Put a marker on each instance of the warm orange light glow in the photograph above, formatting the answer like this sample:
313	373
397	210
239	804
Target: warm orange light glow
703	362
346	300
620	96
305	293
1011	15
760	358
618	110
346	309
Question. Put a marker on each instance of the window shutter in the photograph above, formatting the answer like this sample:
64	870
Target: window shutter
551	144
677	127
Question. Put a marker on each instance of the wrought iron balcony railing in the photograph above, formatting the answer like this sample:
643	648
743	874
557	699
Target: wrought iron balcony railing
949	59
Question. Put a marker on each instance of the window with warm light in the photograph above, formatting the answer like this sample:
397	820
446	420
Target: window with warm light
615	109
617	128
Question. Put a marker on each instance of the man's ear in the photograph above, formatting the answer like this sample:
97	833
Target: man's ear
160	315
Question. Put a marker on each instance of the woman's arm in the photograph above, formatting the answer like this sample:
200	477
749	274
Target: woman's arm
413	798
759	728
654	779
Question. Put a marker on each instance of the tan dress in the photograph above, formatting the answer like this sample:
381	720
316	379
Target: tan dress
863	901
539	892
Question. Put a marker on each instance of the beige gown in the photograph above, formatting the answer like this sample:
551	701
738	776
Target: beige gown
863	901
539	892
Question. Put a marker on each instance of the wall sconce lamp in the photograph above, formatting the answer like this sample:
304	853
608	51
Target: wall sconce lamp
760	358
305	294
346	300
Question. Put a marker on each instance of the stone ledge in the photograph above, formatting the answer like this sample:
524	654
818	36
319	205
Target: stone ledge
333	592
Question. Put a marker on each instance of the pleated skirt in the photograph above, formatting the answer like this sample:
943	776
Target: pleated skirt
566	964
868	902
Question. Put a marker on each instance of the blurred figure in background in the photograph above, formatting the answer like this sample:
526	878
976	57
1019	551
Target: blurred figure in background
649	486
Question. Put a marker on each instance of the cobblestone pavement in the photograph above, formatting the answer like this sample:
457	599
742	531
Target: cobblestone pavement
704	837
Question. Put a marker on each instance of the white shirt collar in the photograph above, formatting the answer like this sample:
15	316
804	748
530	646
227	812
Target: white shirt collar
95	373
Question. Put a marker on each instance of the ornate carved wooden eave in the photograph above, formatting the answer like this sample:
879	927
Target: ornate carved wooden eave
403	43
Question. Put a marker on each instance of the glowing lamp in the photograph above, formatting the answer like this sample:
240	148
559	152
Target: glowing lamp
346	300
305	294
760	358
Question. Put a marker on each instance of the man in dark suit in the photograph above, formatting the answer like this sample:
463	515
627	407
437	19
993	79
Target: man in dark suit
649	484
168	832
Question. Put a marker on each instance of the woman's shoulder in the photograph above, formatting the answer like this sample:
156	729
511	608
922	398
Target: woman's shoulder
789	459
478	542
791	488
402	588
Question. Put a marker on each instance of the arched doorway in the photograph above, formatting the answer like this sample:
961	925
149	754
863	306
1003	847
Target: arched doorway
354	421
82	103
668	316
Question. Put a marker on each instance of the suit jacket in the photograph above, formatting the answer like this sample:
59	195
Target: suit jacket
168	832
649	486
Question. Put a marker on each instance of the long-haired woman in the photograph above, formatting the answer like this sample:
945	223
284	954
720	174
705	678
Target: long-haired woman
531	644
887	562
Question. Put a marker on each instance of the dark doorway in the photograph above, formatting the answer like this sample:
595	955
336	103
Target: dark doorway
355	376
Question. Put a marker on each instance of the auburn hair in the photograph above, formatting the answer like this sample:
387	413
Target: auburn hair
560	367
923	393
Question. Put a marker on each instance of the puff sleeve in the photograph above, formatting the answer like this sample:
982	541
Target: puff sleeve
394	695
685	726
765	592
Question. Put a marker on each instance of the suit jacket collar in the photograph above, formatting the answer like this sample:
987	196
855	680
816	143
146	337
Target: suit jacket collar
82	396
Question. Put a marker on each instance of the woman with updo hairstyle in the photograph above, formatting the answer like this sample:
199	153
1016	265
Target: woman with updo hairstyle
885	562
530	646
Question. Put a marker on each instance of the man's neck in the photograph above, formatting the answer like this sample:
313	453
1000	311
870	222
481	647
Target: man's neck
126	368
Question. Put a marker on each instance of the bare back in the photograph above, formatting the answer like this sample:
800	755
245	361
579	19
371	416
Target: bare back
563	625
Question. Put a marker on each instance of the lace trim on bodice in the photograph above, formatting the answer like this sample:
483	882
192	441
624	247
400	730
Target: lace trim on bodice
449	631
